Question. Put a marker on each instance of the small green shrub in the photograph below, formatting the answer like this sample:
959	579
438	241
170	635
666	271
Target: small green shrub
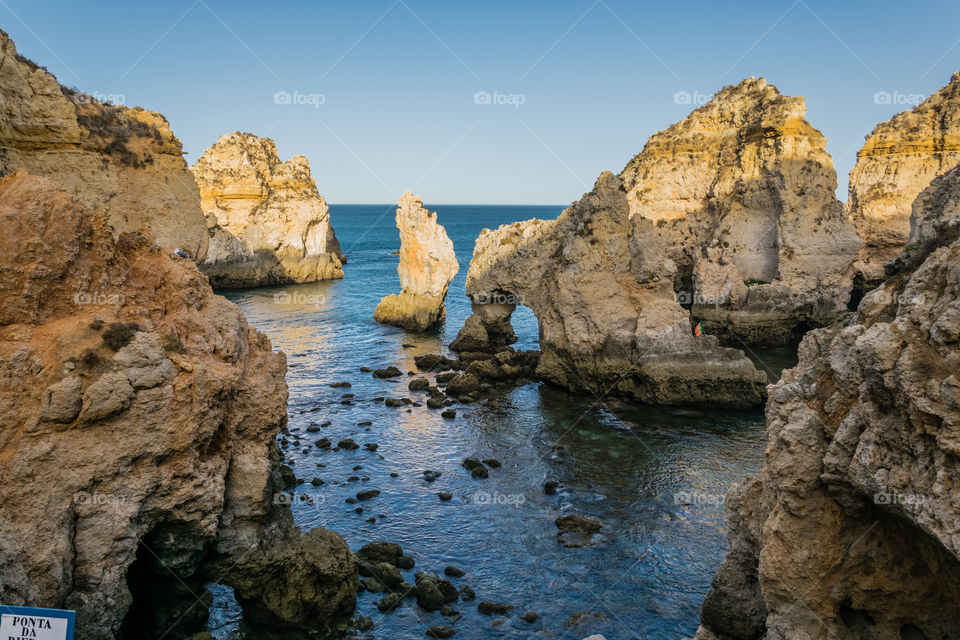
119	334
750	282
172	344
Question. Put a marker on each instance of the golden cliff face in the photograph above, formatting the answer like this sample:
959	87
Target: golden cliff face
743	196
138	409
427	265
268	223
123	161
898	160
850	529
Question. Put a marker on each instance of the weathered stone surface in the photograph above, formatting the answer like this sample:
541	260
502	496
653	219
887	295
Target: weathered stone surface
898	160
124	162
741	197
604	299
427	265
138	409
108	452
728	217
852	527
268	223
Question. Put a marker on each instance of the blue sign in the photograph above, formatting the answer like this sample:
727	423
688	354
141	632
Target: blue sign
29	623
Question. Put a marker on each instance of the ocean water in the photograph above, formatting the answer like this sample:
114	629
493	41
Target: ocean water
655	477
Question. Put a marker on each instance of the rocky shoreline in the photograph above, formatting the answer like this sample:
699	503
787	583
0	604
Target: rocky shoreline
145	424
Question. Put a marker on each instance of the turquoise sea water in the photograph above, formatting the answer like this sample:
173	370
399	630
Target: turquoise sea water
655	477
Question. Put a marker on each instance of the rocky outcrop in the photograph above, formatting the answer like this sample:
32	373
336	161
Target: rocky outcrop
427	265
268	224
122	161
742	199
603	295
898	160
852	527
138	409
728	218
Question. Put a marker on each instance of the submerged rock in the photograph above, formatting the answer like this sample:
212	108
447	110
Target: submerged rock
441	631
389	372
267	222
491	608
427	265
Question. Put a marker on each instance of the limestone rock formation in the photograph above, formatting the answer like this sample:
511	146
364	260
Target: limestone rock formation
603	296
123	161
427	265
852	527
268	224
898	160
139	411
728	218
742	197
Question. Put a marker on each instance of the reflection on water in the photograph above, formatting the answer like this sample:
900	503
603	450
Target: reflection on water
654	477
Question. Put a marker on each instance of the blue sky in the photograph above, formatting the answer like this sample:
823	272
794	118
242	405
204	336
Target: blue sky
382	92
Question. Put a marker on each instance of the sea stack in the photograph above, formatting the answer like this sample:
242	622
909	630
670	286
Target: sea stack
268	223
742	197
850	530
427	265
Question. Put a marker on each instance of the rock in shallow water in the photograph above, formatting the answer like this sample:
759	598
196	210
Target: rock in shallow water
427	265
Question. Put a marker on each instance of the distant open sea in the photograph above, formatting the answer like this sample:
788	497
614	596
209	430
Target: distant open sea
656	477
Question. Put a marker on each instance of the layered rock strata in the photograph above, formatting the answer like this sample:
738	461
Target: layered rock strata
742	199
122	161
138	409
603	295
427	265
852	527
268	223
728	218
898	160
137	433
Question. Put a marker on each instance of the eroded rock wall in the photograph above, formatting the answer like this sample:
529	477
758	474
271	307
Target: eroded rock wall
852	528
603	295
138	409
122	161
742	199
898	160
728	218
268	223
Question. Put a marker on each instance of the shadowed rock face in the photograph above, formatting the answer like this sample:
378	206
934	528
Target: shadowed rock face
268	223
427	265
137	431
728	218
121	161
898	160
852	528
742	197
609	321
138	409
